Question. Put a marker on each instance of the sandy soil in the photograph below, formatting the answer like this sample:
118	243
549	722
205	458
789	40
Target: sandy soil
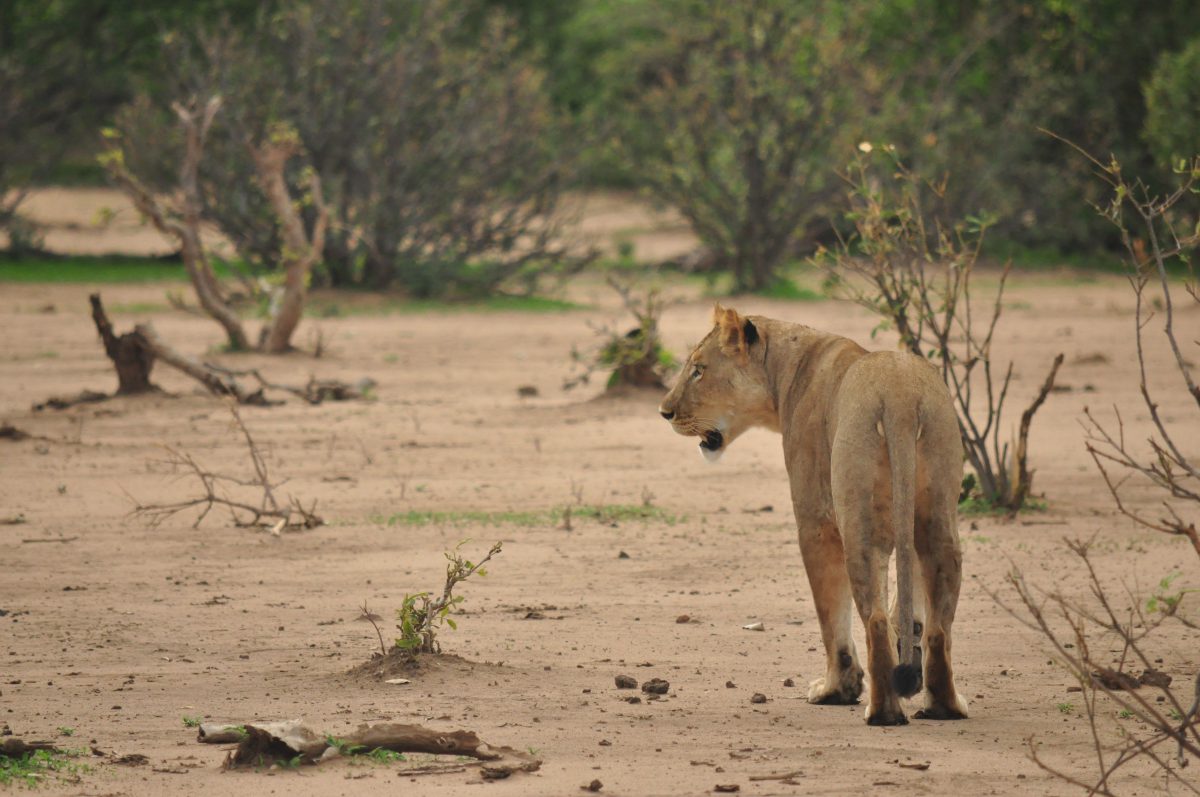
118	630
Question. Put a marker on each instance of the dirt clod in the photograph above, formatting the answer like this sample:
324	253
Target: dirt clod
626	682
1155	678
683	618
788	682
758	697
726	788
595	785
656	686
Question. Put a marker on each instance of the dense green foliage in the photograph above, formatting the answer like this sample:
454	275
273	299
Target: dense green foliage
1173	106
740	114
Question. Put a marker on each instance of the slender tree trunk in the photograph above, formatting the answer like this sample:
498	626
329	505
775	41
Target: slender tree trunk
299	252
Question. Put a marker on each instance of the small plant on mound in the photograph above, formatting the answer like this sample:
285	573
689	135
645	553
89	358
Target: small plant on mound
634	358
420	616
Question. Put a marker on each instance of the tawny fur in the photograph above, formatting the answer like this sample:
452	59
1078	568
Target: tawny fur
847	416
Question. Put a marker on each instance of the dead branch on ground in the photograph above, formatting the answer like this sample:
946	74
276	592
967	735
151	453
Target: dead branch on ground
268	511
13	747
263	744
131	356
134	354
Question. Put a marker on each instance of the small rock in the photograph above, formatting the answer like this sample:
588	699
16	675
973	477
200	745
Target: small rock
683	618
656	686
605	743
595	785
622	555
726	788
730	685
529	391
755	627
1116	680
632	699
788	682
626	682
1155	678
758	697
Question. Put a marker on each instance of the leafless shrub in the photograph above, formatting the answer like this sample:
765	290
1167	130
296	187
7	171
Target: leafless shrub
913	268
635	357
1171	720
1147	223
182	218
221	490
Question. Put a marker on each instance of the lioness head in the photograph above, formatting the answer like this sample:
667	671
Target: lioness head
722	390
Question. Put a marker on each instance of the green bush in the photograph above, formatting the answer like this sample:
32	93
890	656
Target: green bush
1173	106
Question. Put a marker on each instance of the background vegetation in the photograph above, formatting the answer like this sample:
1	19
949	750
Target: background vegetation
445	133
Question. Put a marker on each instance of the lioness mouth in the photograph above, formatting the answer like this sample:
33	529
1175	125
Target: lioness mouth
713	441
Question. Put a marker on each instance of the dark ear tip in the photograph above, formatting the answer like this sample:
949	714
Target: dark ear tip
751	332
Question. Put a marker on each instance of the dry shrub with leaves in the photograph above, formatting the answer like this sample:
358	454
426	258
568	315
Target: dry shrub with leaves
913	267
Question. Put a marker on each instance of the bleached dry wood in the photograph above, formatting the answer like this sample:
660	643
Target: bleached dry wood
261	744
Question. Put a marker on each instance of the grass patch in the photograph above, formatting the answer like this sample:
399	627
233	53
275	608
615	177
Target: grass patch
138	308
102	268
603	513
1043	258
42	766
342	304
978	506
789	290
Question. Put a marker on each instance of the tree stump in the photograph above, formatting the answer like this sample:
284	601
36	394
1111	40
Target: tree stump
131	355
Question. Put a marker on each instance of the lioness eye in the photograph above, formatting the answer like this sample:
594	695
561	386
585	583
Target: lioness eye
696	372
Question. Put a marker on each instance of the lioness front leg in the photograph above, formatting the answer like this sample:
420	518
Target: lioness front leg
821	549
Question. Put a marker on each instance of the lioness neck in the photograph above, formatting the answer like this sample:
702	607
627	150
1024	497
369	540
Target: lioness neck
804	366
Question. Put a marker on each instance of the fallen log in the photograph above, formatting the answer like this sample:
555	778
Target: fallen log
13	747
262	744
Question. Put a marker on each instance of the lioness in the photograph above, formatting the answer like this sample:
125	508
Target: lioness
873	454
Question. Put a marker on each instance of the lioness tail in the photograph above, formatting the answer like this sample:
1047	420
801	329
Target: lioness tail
900	427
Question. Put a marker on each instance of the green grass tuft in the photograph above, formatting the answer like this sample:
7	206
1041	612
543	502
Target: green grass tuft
338	305
789	290
42	766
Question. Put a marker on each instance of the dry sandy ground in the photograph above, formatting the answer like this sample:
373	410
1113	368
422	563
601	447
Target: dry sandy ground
118	630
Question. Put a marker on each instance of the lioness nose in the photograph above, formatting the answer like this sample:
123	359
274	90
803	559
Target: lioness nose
667	414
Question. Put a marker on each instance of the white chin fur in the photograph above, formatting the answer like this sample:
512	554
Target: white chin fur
711	455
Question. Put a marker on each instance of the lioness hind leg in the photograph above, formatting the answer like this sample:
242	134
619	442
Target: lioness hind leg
867	556
941	568
821	549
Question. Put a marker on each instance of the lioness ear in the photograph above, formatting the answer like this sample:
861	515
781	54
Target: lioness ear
750	332
735	332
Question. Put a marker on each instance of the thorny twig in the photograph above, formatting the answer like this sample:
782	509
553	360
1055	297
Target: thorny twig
1097	677
1150	246
268	512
